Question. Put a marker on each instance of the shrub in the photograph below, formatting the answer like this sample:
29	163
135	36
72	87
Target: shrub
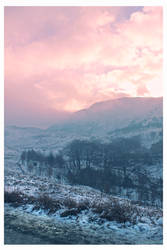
70	203
114	214
116	211
13	197
119	212
69	212
83	205
47	202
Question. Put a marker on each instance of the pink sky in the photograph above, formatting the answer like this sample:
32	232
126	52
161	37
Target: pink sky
67	58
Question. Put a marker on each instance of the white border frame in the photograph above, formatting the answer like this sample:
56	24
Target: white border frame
80	3
83	2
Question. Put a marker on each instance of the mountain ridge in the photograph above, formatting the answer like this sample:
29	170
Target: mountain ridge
114	114
128	117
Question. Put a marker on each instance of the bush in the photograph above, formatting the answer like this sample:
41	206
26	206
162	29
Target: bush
115	211
83	205
47	202
100	207
69	212
70	203
14	197
119	213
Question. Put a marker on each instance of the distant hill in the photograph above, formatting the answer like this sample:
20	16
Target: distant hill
120	117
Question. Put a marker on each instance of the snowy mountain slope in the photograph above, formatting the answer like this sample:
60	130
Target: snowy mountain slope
105	120
114	114
120	117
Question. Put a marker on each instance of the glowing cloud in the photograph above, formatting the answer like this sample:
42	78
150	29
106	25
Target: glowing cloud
66	58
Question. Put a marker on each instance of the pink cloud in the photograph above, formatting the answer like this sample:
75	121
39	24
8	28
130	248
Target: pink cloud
66	58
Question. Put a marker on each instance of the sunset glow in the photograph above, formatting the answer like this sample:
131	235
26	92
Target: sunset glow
67	58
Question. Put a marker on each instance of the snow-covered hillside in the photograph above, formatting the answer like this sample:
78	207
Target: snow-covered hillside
105	120
116	118
67	214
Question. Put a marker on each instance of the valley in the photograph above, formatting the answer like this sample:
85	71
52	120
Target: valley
108	155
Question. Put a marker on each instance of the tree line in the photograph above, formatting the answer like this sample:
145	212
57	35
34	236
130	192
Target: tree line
105	165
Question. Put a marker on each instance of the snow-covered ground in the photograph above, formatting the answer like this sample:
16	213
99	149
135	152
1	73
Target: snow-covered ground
81	230
87	225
